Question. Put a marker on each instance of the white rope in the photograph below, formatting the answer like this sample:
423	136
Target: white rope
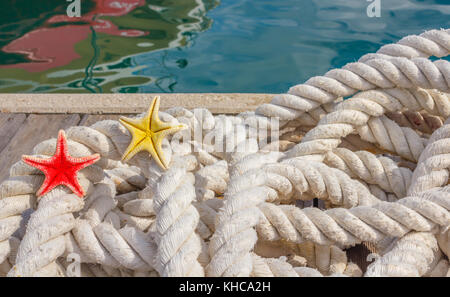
376	170
364	113
411	256
176	220
44	239
431	172
368	73
434	163
235	236
421	121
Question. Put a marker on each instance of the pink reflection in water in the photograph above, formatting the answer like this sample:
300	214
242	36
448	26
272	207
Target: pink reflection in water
48	48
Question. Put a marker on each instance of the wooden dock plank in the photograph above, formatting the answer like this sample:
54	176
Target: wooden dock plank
9	125
93	118
34	130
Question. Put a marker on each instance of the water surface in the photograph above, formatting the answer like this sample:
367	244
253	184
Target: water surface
194	45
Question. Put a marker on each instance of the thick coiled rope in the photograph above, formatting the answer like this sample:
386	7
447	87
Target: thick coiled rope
235	236
364	113
176	220
421	121
44	240
434	163
401	65
431	172
373	169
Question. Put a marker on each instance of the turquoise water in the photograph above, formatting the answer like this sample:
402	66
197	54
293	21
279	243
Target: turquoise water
268	46
229	46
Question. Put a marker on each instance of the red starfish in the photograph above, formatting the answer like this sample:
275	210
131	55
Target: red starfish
61	168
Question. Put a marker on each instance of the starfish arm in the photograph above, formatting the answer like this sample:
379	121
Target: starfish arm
149	147
136	123
156	125
157	152
161	126
48	184
44	165
152	113
61	145
72	183
80	163
157	141
160	160
171	130
130	152
36	162
138	136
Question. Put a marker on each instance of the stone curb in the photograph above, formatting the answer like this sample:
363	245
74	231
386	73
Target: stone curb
228	103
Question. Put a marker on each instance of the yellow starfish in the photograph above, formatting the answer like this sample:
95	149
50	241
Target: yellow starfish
148	133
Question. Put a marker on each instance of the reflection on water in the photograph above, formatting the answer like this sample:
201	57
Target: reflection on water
51	52
174	46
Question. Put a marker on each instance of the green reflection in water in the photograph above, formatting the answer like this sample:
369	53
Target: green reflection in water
103	59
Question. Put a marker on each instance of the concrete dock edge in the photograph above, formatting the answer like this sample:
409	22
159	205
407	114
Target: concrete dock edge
228	103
